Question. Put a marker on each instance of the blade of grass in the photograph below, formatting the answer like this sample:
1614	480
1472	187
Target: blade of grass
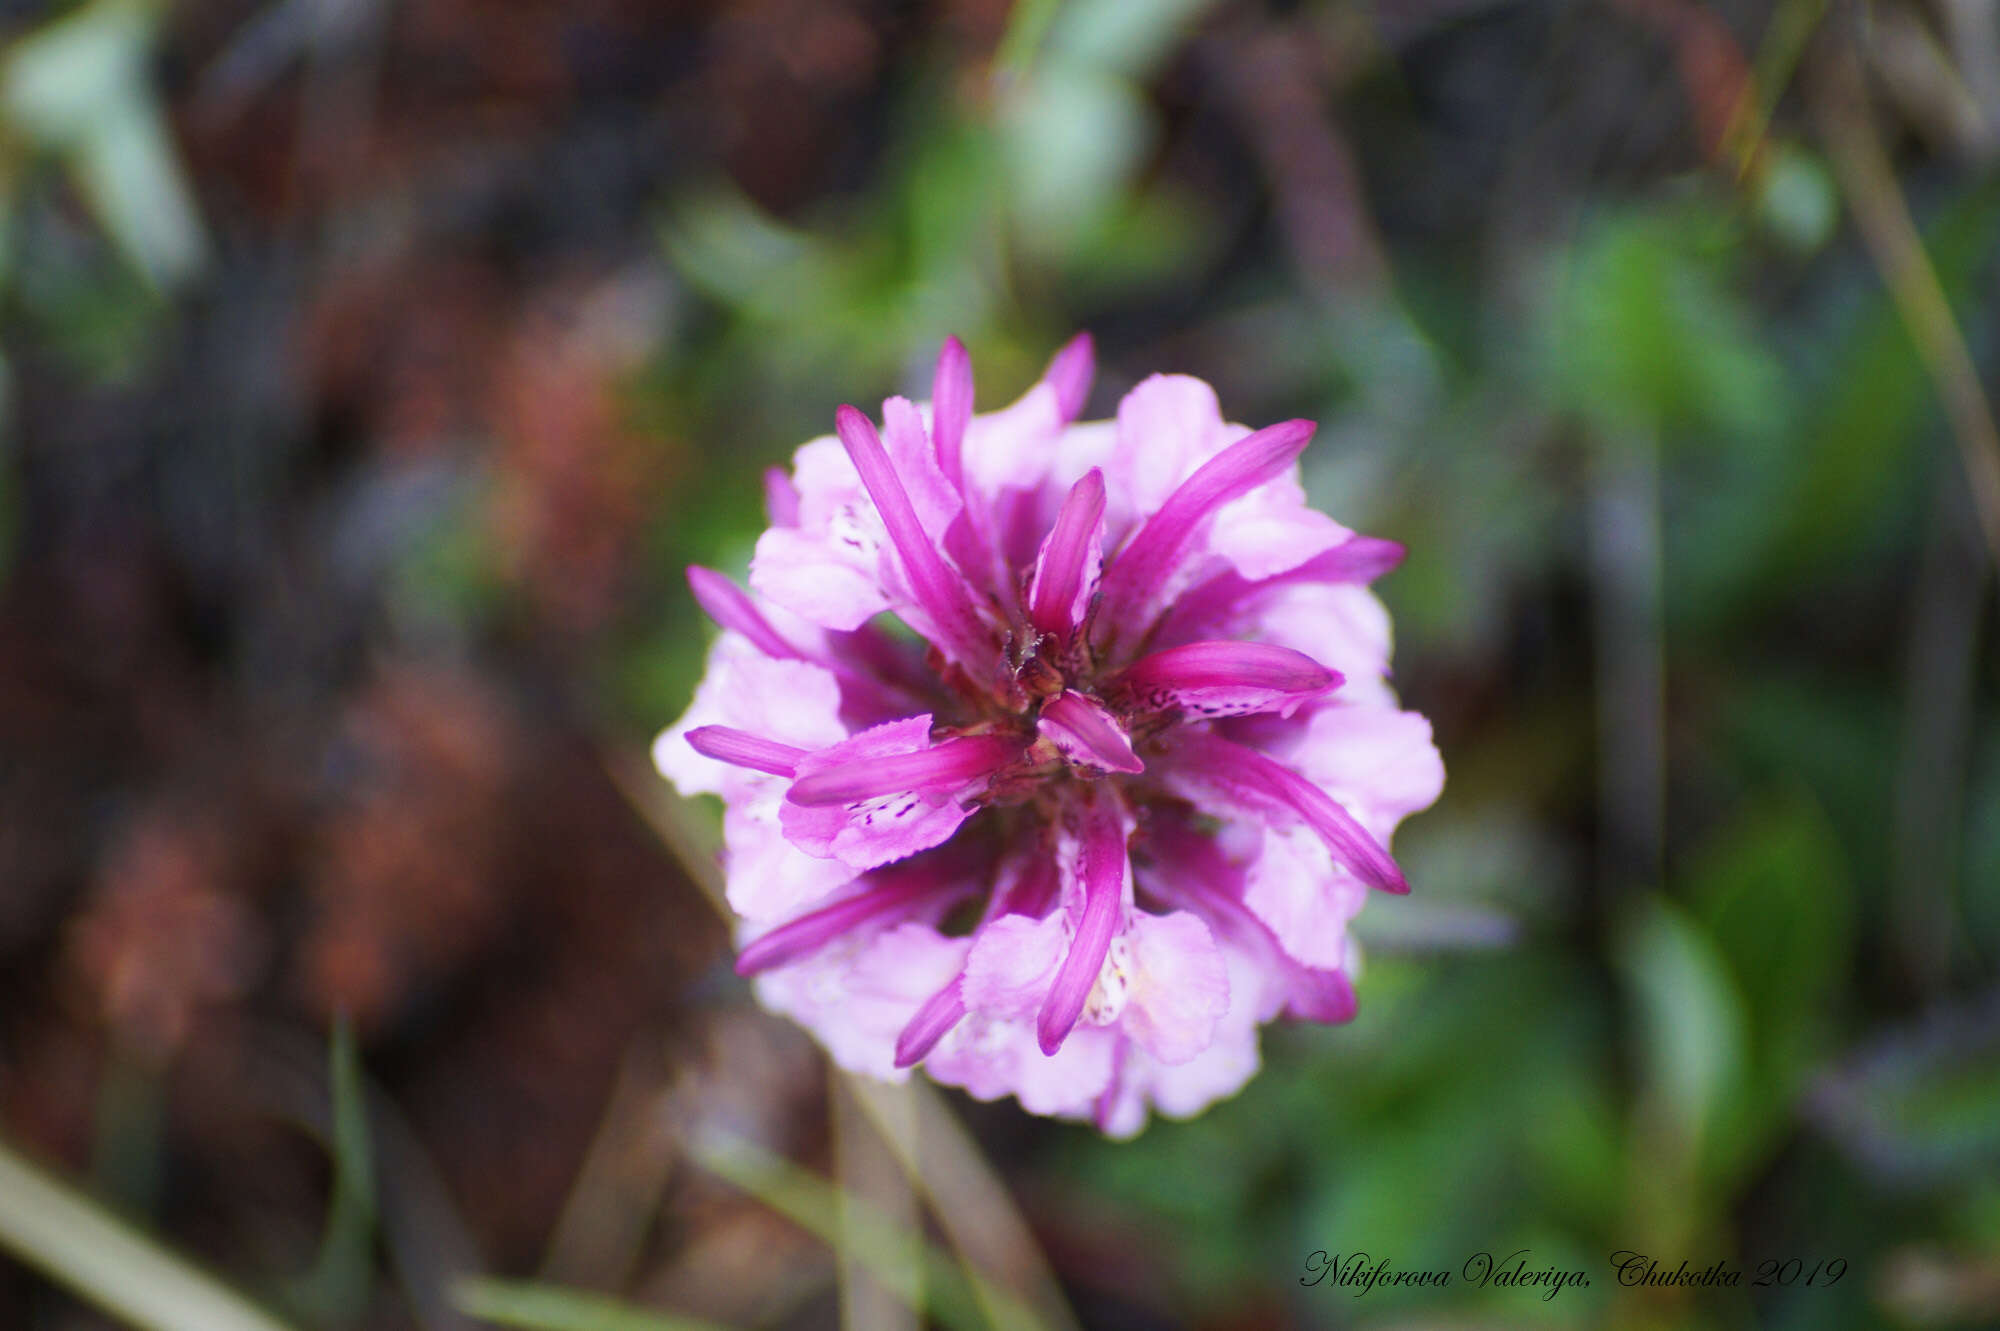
106	1262
936	1286
1027	28
425	1239
869	1174
615	1197
979	1217
691	839
535	1307
336	1289
1778	54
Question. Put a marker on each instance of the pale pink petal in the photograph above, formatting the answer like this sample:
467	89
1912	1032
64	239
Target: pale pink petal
768	878
855	996
781	498
833	580
1182	1090
1177	986
989	1058
1168	426
1012	448
1271	530
1012	964
1296	889
787	702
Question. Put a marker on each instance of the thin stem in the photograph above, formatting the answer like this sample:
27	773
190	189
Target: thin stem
1883	215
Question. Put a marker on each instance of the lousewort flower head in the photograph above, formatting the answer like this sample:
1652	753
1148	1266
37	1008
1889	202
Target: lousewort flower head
1111	804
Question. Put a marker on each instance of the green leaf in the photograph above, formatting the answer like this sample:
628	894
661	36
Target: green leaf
59	83
132	176
1650	332
1773	893
1132	37
1844	471
1830	734
1074	137
1690	1017
78	87
1796	198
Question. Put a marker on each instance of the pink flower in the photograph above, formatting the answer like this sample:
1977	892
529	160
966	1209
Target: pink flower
1115	808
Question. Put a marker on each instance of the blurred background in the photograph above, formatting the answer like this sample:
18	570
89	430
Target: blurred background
373	367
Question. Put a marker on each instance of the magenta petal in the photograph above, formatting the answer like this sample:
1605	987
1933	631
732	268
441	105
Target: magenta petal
937	588
1059	568
1028	884
813	931
1208	758
1086	734
952	763
1151	555
1103	872
940	1012
1358	559
1070	373
1324	996
728	605
1226	679
727	744
951	409
781	498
